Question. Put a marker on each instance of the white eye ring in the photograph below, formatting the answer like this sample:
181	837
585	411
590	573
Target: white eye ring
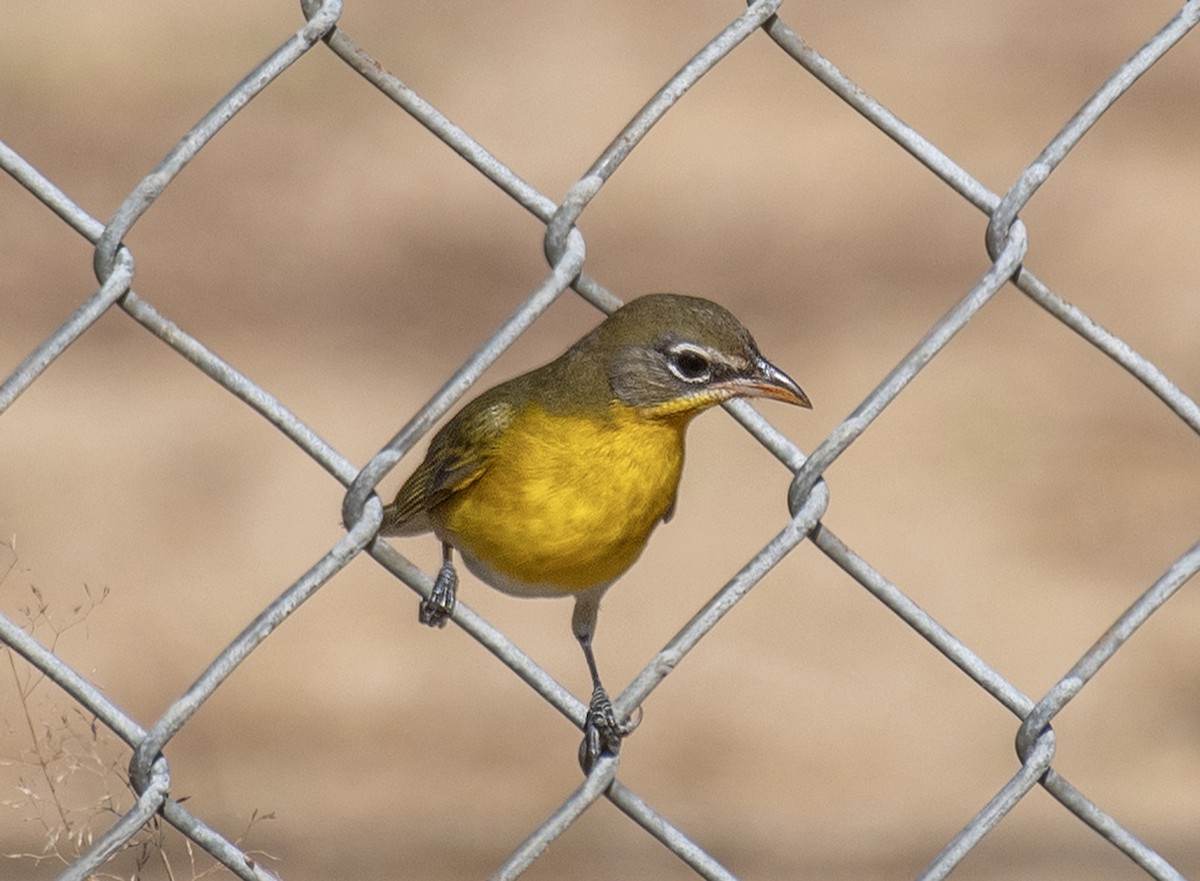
689	363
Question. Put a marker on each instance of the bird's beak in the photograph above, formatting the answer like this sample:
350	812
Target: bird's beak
765	380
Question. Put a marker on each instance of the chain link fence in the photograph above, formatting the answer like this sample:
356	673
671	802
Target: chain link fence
1007	242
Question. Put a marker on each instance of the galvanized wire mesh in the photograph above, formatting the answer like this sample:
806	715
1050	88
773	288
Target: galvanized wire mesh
564	245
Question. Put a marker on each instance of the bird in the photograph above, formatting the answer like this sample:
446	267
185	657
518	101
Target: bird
550	484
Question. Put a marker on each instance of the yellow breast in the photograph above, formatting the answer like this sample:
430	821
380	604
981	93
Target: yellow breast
568	501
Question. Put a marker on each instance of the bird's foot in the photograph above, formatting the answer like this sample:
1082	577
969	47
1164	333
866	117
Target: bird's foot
437	608
602	733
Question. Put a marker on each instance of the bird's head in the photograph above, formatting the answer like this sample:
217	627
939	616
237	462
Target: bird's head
668	354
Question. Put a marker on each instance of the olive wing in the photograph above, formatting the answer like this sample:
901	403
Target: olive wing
458	454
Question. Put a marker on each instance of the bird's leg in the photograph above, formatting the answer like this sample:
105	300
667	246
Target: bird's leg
435	610
602	732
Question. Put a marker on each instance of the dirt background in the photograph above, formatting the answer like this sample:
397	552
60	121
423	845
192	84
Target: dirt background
1024	490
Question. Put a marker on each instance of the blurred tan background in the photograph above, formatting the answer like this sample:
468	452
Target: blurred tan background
1024	489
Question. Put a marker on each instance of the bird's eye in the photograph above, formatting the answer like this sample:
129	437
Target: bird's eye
689	364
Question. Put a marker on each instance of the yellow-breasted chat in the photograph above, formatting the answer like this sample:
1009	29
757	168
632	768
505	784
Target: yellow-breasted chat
551	483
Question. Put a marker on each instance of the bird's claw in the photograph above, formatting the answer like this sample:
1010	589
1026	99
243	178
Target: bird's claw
440	604
602	732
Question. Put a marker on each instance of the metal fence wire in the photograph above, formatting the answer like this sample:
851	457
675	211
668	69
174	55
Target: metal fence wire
808	495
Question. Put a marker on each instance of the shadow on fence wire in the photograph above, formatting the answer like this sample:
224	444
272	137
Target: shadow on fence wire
1006	242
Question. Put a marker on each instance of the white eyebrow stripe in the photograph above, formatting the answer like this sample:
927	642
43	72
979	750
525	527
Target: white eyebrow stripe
713	355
